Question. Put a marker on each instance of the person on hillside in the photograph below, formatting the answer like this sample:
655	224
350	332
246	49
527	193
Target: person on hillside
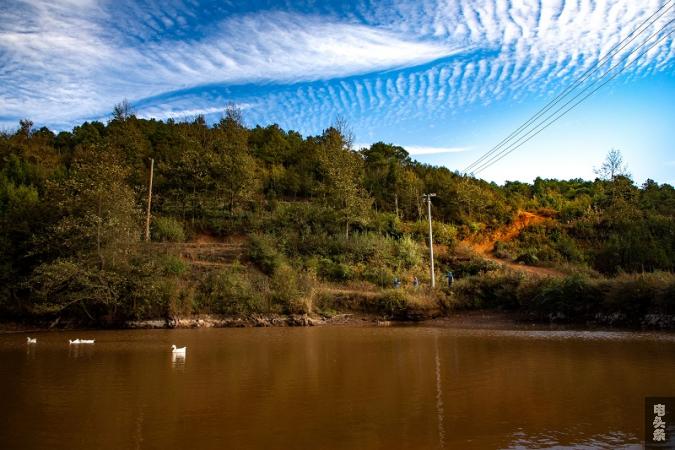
416	282
450	277
397	282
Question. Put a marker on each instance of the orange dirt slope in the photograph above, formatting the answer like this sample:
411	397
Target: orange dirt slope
485	246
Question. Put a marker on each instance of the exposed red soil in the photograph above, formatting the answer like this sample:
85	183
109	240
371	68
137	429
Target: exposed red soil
485	246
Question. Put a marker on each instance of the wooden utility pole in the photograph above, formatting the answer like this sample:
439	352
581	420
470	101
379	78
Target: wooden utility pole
431	239
147	217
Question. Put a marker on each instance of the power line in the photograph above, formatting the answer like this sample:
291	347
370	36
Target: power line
573	86
583	77
518	143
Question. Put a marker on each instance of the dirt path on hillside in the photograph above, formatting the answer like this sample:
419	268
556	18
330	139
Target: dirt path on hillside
207	251
485	246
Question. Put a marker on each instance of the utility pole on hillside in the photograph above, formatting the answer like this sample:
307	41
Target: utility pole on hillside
147	216
427	197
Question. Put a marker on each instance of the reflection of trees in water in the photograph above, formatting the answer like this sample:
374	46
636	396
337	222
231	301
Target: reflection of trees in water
439	397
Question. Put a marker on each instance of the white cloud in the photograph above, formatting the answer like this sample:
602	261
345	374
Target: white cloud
62	65
426	150
414	150
534	43
65	60
184	111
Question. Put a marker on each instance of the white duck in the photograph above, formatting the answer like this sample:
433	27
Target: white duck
30	340
82	341
177	350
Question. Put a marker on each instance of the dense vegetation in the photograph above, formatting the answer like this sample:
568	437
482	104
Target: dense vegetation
309	211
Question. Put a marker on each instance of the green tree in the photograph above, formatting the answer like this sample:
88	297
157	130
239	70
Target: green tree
342	172
234	169
88	248
99	217
384	174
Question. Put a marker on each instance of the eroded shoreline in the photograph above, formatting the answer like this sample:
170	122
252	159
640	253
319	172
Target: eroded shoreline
477	319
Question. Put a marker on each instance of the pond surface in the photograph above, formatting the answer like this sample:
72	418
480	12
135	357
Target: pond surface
331	388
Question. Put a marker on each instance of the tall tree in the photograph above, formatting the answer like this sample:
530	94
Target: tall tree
234	168
99	216
342	187
384	174
613	166
92	240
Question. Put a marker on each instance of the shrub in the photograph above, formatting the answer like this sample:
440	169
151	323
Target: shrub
178	296
305	218
571	298
262	252
386	223
334	271
234	291
404	304
392	303
502	250
291	291
475	227
637	295
626	299
172	265
152	296
144	299
324	302
473	266
73	288
379	275
408	252
167	229
529	257
496	289
569	249
443	233
366	246
144	291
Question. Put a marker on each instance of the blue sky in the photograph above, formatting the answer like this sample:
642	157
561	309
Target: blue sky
445	79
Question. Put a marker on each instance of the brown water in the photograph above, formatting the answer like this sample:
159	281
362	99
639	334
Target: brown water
331	388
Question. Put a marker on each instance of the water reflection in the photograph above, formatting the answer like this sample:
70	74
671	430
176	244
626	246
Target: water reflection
553	439
138	435
439	396
80	351
178	360
331	388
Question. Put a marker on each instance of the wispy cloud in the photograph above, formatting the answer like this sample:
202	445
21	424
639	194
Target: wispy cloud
374	63
516	50
426	150
59	65
416	150
178	112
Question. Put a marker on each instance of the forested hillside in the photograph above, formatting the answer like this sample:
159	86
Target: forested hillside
303	210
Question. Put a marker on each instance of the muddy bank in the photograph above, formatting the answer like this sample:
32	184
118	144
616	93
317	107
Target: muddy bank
272	320
209	321
475	319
